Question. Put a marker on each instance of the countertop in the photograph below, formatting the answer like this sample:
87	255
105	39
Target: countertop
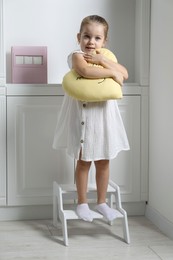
56	89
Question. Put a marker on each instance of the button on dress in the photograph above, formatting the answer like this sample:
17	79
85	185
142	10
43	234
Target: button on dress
94	128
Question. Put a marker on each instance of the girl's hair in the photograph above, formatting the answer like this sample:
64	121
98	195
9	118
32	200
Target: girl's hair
96	19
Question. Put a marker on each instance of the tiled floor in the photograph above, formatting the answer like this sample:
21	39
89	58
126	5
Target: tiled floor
90	241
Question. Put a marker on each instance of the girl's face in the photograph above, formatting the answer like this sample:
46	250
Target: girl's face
92	37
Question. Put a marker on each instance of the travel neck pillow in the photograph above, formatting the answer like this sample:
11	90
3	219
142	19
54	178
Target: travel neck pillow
92	90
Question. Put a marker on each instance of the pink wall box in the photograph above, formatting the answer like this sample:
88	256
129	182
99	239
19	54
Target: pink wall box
29	64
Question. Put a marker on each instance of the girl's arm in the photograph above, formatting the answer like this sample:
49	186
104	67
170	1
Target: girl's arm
80	65
100	59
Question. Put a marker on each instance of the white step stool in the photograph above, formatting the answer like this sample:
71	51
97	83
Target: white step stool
64	192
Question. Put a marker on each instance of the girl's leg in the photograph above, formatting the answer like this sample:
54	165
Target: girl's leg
82	170
102	179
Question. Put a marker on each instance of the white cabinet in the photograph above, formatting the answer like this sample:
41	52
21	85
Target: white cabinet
2	150
33	165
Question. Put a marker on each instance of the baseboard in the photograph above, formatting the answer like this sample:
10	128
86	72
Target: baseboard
160	221
46	211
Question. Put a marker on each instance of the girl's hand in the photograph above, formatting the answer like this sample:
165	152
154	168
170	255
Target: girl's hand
118	77
94	58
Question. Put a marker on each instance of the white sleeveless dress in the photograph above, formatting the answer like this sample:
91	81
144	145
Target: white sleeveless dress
94	128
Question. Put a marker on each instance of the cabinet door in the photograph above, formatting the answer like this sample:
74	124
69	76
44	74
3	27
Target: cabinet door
2	150
33	164
125	168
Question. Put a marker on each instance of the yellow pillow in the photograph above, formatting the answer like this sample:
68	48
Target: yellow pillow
92	90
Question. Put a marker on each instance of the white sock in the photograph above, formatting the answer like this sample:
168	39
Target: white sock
107	212
84	212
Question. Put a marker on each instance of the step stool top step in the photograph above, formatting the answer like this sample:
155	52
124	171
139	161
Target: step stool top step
66	188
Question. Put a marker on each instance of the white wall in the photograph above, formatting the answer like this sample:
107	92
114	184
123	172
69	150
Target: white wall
161	109
55	23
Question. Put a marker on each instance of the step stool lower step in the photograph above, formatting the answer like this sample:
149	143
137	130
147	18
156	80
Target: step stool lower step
71	214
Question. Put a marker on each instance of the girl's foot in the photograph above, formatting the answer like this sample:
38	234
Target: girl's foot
84	212
109	213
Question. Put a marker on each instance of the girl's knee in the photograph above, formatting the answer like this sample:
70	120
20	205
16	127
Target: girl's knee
83	164
102	164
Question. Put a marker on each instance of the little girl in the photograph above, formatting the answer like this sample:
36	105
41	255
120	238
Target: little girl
92	131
